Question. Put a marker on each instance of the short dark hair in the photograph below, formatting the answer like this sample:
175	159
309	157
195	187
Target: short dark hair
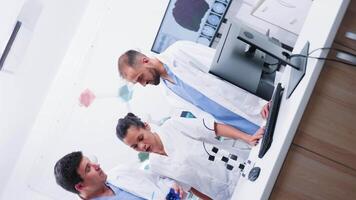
129	58
125	123
66	173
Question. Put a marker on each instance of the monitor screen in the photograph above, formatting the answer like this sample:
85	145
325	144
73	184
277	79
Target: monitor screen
271	121
193	20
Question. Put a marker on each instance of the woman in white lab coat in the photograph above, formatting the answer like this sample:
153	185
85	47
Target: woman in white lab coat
186	150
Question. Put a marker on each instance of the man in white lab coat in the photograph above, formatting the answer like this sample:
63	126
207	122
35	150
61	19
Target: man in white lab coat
183	68
186	150
77	174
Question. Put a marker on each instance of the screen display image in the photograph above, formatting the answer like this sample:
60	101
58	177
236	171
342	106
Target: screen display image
194	20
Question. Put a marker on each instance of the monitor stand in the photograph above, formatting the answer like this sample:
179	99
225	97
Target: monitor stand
297	74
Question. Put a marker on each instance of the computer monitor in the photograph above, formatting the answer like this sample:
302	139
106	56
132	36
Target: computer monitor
241	64
193	20
271	121
241	55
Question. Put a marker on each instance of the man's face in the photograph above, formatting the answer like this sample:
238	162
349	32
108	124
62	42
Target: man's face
141	139
92	175
142	74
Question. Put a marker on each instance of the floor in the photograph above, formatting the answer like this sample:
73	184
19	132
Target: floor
321	162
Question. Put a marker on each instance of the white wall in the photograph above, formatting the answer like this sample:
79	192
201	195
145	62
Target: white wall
9	11
107	29
22	92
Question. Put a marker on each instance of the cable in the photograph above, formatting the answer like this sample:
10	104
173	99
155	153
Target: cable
320	58
330	48
207	126
323	48
328	59
205	149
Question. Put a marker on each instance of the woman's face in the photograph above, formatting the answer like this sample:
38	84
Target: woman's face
142	139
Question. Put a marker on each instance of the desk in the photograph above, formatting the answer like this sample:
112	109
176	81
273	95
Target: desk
319	29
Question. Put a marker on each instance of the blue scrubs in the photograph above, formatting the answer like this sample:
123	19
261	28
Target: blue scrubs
119	194
198	99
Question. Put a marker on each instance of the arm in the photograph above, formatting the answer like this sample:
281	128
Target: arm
199	194
231	132
207	128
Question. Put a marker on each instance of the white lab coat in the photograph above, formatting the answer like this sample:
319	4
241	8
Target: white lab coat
191	63
141	183
187	161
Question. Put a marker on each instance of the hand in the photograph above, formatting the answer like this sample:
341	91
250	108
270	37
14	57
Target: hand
253	139
178	189
265	110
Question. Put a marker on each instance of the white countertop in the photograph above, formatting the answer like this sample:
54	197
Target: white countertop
319	29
